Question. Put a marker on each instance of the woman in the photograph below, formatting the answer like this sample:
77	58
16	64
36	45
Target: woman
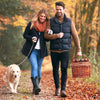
34	34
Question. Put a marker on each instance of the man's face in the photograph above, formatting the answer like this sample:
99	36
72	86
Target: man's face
59	11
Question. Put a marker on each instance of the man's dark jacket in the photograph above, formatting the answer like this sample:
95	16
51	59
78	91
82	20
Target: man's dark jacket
63	43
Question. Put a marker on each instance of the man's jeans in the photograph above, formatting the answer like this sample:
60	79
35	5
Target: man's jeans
64	58
36	63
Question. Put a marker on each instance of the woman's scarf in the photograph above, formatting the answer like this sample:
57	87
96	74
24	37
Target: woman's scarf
40	26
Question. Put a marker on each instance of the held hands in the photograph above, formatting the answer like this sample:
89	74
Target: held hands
34	39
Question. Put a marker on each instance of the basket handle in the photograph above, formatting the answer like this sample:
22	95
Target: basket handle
83	55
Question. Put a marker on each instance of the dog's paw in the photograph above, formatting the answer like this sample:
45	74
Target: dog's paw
15	91
12	91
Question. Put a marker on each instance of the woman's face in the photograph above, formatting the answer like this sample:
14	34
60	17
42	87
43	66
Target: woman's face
42	17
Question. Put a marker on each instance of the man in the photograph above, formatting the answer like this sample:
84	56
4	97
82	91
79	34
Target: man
60	44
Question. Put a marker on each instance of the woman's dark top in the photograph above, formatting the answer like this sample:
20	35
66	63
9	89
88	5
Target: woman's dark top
28	34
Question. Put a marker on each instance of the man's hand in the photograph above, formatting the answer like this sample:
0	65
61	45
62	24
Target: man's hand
60	35
79	53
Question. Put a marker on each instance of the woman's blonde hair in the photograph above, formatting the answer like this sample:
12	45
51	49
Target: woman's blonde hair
41	11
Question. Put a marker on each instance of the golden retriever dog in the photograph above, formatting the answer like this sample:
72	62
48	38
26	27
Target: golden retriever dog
12	76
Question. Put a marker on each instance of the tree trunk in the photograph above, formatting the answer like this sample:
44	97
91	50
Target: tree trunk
90	12
98	28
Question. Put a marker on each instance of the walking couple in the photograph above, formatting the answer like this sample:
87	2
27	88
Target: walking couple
60	43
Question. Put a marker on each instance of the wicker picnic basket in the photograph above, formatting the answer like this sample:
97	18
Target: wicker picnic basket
81	67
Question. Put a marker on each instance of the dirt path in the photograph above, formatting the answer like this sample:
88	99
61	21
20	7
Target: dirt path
75	89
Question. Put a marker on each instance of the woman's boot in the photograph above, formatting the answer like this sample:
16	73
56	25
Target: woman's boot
36	88
33	85
39	80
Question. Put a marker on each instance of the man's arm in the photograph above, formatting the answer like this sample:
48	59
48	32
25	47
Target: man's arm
75	37
50	36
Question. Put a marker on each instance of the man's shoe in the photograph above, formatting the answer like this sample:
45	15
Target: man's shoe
57	92
63	93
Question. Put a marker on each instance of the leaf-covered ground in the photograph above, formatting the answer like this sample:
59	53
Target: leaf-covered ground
75	89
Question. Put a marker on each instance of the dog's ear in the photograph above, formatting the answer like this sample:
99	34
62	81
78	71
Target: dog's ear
11	72
19	73
10	67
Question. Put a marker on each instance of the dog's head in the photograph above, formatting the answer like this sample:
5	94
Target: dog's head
15	71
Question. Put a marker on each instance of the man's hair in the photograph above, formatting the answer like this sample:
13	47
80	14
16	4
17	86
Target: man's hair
60	3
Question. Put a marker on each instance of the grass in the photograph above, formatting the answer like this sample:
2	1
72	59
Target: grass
95	68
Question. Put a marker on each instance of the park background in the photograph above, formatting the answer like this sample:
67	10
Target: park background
15	15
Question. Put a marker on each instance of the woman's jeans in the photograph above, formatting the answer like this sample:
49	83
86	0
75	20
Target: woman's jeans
64	58
36	63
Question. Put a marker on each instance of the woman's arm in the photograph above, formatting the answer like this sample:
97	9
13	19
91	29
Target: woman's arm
26	32
50	36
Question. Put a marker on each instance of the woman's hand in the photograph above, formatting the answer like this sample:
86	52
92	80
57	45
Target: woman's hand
34	39
49	31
